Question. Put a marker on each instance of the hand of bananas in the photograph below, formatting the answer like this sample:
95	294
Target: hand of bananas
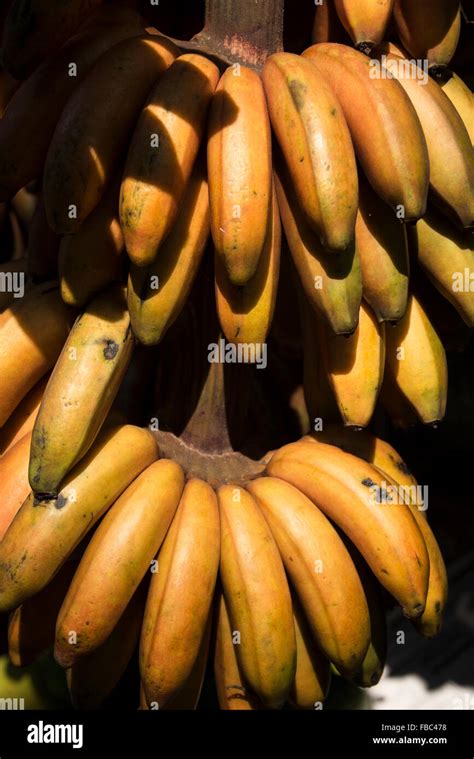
142	155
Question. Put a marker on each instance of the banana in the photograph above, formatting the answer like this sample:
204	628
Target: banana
331	281
157	293
355	365
245	313
239	159
365	20
116	560
14	479
350	492
429	29
391	149
35	29
313	670
450	152
187	698
23	418
46	92
80	391
180	595
316	559
232	693
416	363
385	458
11	274
101	113
447	256
43	534
162	153
93	258
314	138
381	243
43	247
91	679
257	596
462	98
32	333
31	625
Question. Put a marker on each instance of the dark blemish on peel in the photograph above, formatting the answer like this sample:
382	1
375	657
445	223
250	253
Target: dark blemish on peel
110	350
61	501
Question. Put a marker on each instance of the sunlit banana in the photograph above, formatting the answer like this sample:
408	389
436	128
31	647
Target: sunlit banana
383	251
365	20
315	141
416	363
355	365
240	172
313	670
14	479
116	561
180	596
351	493
162	153
157	293
257	597
81	390
391	149
331	281
32	333
245	313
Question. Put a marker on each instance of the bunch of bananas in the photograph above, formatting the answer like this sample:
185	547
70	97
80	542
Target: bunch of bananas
336	518
144	155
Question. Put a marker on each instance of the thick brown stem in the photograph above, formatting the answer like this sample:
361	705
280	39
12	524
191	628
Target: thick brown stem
243	32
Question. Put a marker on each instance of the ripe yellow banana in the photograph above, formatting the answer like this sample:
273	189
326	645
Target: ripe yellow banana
391	149
245	313
313	670
429	624
91	679
97	120
42	535
81	390
350	492
32	333
180	595
451	157
162	153
416	363
332	282
232	692
429	29
187	698
14	479
316	144
447	256
462	98
94	257
157	293
257	597
355	365
116	560
365	20
316	559
381	243
31	625
23	418
239	159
